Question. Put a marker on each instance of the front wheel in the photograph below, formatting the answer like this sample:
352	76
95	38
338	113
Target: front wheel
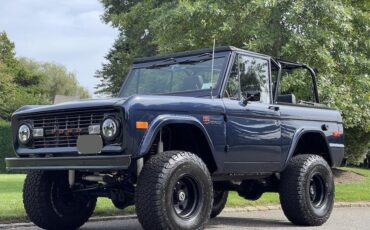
307	190
174	191
50	203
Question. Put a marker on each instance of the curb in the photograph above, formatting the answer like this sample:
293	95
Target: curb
277	207
92	219
227	210
351	204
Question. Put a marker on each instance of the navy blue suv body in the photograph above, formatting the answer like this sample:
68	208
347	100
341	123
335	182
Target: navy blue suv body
186	129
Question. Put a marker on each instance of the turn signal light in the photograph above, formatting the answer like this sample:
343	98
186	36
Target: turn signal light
142	125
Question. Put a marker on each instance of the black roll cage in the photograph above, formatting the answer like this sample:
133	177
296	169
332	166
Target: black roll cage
282	64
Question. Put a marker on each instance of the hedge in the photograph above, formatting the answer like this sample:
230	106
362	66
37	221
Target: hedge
6	148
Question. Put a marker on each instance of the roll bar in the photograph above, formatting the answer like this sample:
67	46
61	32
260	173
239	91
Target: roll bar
282	64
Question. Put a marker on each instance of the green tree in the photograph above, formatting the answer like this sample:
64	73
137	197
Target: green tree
56	79
18	86
7	91
332	36
134	40
24	81
7	53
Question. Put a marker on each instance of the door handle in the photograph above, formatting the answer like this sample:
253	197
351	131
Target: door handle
273	107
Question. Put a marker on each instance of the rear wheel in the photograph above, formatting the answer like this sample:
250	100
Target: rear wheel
250	190
50	203
307	190
219	202
120	199
174	191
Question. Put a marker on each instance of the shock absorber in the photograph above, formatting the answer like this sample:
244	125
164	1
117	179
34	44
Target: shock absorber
71	177
160	142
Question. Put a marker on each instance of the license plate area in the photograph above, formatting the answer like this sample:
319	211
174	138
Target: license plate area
89	144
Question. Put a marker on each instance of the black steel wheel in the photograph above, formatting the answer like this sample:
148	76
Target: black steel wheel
174	191
186	196
307	190
317	190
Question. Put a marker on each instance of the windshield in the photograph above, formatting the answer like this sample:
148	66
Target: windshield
178	76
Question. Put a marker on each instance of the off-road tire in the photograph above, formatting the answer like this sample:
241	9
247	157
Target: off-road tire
219	202
157	184
119	205
301	204
250	190
42	202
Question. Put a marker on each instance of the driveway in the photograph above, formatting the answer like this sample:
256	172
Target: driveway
342	218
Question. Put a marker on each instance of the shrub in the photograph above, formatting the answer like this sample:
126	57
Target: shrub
6	148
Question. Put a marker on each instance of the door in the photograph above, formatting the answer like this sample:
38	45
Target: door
253	131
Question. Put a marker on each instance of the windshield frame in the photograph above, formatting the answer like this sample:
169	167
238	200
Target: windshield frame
196	57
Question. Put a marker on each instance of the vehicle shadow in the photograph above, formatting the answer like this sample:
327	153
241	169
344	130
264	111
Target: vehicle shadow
217	223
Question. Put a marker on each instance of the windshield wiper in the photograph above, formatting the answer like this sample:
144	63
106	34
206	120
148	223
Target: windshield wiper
194	60
157	65
162	63
189	61
174	61
205	54
169	59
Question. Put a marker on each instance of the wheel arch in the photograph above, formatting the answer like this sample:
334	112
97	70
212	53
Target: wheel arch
302	143
172	121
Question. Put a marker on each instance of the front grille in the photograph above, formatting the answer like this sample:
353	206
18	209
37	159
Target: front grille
63	129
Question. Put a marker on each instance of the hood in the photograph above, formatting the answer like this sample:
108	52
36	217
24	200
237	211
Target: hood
174	104
81	104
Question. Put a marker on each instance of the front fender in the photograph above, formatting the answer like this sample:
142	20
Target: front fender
163	120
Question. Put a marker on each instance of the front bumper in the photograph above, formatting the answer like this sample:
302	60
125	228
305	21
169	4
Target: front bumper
69	163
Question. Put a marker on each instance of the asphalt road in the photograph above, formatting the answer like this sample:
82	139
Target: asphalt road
342	218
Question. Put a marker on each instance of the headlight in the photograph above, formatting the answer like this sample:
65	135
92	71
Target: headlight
109	128
24	134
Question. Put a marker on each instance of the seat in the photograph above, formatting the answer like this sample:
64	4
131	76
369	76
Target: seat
287	98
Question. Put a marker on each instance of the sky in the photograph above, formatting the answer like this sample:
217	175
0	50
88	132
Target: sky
66	32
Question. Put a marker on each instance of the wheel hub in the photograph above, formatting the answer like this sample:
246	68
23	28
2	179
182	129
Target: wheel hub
182	196
313	191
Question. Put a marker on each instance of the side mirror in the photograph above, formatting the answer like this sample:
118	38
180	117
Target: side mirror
251	96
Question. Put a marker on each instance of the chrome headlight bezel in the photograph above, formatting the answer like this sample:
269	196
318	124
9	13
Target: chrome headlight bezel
24	130
109	128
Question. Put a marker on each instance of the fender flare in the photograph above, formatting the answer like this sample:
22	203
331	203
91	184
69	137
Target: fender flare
163	120
297	136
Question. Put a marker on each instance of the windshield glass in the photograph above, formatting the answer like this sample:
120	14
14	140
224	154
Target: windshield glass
179	76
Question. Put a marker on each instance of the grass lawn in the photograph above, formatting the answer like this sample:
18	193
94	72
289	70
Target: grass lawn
11	206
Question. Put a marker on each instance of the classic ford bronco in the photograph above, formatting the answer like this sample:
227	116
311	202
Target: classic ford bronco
186	129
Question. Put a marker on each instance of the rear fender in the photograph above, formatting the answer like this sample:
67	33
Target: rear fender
296	138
